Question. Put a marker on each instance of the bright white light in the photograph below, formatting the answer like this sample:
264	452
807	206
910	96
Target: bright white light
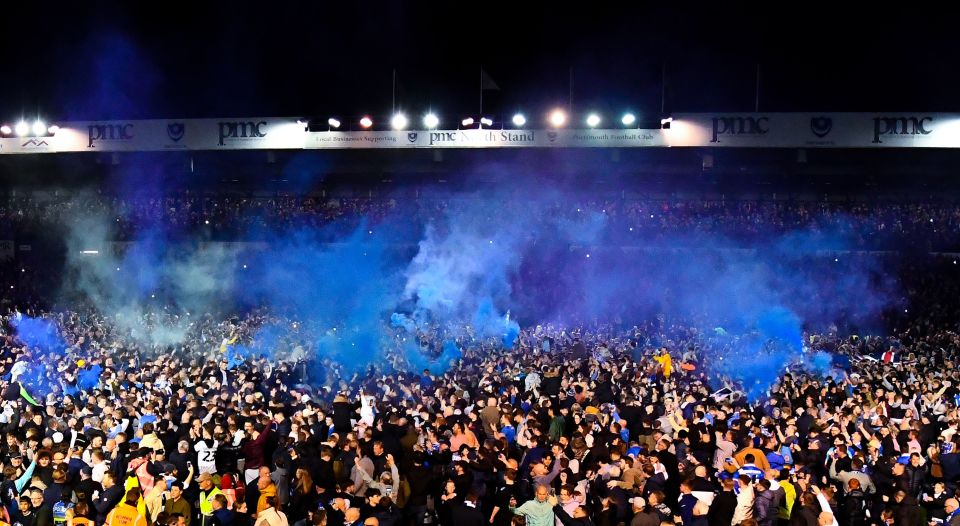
558	118
519	120
399	121
486	122
39	128
628	119
22	128
90	252
467	122
666	121
6	130
52	130
334	123
244	266
593	120
366	122
206	222
431	121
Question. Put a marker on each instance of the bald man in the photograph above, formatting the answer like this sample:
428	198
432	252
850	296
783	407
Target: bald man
538	512
351	517
952	507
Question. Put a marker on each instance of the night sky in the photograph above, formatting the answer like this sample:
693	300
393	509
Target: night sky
105	60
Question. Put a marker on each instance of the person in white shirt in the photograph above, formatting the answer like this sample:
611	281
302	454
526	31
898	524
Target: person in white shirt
206	449
99	464
744	509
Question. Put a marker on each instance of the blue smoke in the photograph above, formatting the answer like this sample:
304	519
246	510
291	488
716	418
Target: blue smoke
38	333
419	358
89	377
474	273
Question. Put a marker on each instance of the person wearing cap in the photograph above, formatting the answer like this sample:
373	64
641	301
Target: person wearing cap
208	491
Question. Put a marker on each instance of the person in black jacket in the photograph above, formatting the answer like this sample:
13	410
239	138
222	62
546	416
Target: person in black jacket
508	489
303	497
386	512
111	495
43	512
421	481
805	511
581	517
723	506
466	513
342	413
907	509
854	505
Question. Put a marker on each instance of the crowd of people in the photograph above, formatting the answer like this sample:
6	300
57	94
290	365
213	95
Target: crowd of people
571	427
170	418
872	224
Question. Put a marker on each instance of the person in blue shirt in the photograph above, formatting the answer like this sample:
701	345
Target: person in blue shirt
750	469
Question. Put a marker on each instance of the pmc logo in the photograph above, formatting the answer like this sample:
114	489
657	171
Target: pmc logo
739	126
898	126
241	130
108	132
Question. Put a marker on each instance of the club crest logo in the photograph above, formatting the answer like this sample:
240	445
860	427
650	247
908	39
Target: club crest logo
175	131
821	126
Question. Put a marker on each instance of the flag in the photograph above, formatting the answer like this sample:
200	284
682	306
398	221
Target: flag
486	82
26	396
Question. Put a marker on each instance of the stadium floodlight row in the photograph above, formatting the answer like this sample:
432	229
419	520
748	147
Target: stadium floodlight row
701	130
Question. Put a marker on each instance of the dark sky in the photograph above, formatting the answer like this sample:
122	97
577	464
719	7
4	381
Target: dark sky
99	60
